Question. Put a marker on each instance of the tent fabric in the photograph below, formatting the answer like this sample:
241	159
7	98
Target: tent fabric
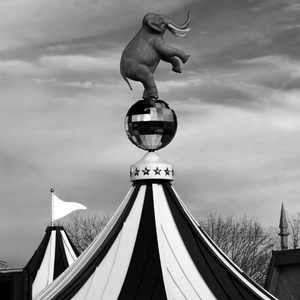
152	248
144	277
54	254
223	278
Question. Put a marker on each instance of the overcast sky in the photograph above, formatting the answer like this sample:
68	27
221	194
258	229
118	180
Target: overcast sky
63	104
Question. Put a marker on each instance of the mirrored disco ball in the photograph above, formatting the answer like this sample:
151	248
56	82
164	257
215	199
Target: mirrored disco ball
150	124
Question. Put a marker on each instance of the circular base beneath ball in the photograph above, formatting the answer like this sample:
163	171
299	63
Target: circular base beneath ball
151	167
150	124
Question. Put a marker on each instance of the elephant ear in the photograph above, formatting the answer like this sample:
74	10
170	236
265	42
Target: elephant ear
154	26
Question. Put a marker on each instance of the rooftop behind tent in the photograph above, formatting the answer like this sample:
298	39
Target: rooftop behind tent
284	270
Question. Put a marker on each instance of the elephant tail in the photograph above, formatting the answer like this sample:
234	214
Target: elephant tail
125	78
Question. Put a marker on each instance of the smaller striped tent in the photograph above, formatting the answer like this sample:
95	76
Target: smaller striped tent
55	253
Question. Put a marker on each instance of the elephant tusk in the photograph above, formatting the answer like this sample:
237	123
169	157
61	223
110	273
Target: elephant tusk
173	28
178	32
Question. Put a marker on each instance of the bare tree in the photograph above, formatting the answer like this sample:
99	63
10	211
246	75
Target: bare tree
294	230
83	229
244	241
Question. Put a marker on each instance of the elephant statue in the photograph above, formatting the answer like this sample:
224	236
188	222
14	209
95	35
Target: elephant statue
142	55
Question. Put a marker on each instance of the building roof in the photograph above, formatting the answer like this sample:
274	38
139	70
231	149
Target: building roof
3	265
54	254
284	273
284	269
152	248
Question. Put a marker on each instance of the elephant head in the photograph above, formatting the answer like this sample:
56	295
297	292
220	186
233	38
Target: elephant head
161	23
143	54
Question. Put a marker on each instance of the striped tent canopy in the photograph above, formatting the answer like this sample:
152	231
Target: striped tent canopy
153	248
55	253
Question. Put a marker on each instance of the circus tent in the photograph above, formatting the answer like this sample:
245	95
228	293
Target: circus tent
55	253
153	248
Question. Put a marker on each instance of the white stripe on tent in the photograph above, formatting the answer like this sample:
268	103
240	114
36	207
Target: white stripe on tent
96	283
44	275
52	257
230	265
181	277
71	256
61	281
107	280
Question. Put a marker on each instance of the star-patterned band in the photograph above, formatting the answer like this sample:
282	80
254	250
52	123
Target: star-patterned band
152	167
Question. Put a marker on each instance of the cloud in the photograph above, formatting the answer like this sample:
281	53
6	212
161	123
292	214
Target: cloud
18	67
81	63
68	70
57	47
85	85
275	72
166	86
255	83
39	80
245	157
40	22
292	6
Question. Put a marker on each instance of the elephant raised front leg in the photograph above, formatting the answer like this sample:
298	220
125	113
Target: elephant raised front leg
174	62
168	55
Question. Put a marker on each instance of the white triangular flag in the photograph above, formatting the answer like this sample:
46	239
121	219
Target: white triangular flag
61	208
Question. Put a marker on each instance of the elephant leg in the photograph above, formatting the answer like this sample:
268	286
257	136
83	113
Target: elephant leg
167	51
139	72
185	58
145	76
150	89
174	62
181	54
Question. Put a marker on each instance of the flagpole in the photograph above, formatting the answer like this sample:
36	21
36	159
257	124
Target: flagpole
52	210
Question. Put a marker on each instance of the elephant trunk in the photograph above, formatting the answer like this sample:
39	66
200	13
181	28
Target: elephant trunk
187	23
180	30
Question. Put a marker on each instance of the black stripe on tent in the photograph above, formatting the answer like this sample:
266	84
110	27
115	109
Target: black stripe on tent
60	261
144	279
35	262
84	274
222	282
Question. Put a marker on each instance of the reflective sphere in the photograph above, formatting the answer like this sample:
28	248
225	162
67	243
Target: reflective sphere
150	124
